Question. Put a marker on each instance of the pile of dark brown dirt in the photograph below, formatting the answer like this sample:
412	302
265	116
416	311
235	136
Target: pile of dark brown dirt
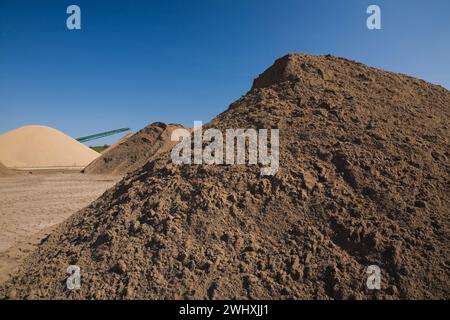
122	140
134	151
363	180
4	171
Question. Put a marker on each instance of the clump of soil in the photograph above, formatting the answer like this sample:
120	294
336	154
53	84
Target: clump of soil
4	171
363	180
134	151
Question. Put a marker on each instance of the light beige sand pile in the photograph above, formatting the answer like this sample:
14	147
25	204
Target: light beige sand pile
40	147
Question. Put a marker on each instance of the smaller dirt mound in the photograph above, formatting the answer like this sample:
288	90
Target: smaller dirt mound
133	152
4	171
122	140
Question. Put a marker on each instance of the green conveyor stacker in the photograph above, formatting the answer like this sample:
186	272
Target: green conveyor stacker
102	135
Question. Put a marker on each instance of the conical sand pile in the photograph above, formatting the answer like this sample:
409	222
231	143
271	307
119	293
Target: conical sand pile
134	151
363	180
40	147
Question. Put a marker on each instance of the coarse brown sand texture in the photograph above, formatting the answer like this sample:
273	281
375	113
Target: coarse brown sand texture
363	180
134	151
41	147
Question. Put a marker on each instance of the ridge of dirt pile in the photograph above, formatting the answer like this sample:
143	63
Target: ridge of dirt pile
122	140
134	151
4	171
363	180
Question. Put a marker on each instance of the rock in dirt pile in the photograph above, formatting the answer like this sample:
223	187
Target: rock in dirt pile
134	151
363	180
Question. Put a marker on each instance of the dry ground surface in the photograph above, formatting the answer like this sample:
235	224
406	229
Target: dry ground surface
32	204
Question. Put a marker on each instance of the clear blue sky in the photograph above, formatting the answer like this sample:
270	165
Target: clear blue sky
136	62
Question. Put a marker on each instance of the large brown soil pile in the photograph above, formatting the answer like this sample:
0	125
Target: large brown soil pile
4	171
134	151
41	147
363	180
